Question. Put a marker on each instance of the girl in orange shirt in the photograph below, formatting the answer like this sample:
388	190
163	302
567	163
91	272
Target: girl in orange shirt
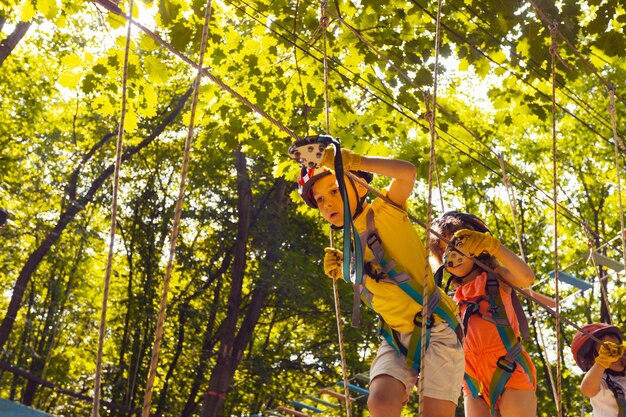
500	379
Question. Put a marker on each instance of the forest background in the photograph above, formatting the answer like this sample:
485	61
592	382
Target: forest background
250	313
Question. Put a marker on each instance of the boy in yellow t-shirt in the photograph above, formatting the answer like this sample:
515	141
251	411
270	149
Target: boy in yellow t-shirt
391	284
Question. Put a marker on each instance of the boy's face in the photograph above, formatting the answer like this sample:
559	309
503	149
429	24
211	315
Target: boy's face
620	364
328	198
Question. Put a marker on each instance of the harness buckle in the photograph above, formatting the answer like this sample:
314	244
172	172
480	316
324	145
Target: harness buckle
505	365
374	271
372	239
418	320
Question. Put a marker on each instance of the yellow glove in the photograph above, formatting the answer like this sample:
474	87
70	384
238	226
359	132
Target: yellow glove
333	263
351	161
609	352
475	243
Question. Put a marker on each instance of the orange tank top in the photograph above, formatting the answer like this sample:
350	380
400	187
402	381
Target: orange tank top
480	333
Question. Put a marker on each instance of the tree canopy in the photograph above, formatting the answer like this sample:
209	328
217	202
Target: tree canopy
530	104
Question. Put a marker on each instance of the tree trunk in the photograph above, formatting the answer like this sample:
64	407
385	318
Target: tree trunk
232	349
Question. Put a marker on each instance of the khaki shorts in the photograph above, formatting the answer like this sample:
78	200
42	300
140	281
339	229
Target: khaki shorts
444	365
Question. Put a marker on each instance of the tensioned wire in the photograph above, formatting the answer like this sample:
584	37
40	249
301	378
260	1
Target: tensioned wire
95	410
553	54
158	334
206	72
530	64
342	349
516	172
521	78
238	96
547	22
538	70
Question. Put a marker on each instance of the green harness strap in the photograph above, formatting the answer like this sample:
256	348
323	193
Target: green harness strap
350	235
506	364
383	268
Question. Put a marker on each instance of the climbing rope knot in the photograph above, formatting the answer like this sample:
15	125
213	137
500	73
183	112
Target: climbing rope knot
324	22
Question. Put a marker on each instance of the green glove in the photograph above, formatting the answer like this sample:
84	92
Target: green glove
609	353
475	243
351	161
333	263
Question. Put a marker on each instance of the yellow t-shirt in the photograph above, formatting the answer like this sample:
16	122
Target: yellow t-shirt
401	241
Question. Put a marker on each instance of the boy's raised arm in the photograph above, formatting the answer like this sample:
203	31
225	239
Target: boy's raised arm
401	172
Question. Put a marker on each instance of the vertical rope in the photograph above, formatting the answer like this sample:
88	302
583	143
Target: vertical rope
324	21
324	25
553	51
95	410
616	144
591	244
158	336
431	115
513	204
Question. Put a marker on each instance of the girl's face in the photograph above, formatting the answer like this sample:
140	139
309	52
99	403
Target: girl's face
455	263
618	365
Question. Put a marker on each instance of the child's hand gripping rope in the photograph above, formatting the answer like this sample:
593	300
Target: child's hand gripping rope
333	263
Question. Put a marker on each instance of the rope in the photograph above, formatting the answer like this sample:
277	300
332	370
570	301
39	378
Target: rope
158	336
431	115
206	73
524	178
617	143
546	20
116	180
603	293
324	22
553	53
518	234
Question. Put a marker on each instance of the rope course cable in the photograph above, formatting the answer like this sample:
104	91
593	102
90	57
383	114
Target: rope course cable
431	117
205	72
537	69
591	245
95	411
557	205
571	216
617	144
158	335
324	23
518	234
547	22
554	53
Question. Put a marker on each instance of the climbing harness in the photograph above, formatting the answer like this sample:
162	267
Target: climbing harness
617	390
506	364
383	268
